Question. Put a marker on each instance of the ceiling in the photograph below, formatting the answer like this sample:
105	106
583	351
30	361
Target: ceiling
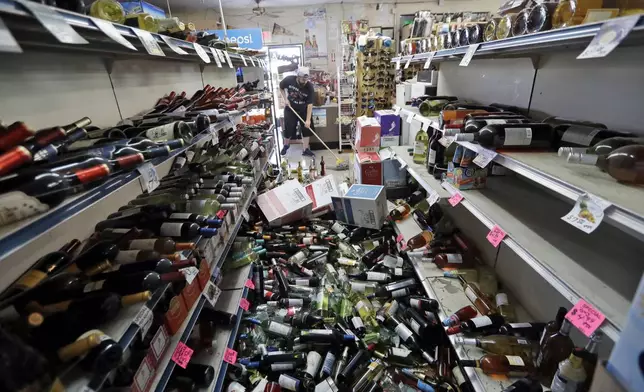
193	5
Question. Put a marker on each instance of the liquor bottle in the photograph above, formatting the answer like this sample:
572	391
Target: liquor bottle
556	348
589	358
530	331
490	322
508	365
461	315
570	375
528	135
420	147
623	164
475	295
399	213
501	344
33	192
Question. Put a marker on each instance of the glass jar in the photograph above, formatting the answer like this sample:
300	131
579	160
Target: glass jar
489	33
540	17
520	24
464	36
504	26
573	12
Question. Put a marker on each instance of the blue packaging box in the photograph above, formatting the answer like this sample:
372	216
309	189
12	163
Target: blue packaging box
363	205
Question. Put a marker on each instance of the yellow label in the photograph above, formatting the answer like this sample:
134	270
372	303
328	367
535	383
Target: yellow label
30	279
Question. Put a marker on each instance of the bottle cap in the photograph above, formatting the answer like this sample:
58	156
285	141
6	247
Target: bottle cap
136	298
185	246
453	330
451	131
35	319
464	137
582	158
208	232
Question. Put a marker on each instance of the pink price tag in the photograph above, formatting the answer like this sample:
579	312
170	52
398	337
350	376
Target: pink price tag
496	235
182	354
586	318
244	304
249	283
455	199
230	356
399	238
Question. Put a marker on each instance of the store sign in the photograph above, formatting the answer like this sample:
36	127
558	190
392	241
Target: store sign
245	38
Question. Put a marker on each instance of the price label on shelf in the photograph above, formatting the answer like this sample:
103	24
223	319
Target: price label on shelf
455	199
228	60
149	179
201	52
397	63
212	293
397	110
585	317
410	118
175	48
108	29
252	61
230	356
465	61
408	62
496	235
144	320
609	36
149	42
214	53
245	215
484	157
587	213
249	283
244	60
53	22
446	140
244	304
190	273
428	62
182	354
159	343
433	198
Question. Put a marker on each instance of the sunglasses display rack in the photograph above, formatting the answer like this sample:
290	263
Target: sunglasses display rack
374	77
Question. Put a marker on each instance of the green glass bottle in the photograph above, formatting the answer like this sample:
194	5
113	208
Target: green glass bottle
420	147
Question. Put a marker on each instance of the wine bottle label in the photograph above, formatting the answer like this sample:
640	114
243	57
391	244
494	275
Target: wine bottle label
243	153
359	287
161	133
337	227
398	272
501	299
432	156
454	258
580	135
400	352
307	240
377	276
415	303
15	206
329	361
313	359
93	286
325	332
515	360
180	215
142	244
126	256
495	121
458	375
523	341
357	322
298	257
403	332
294	302
518	137
400	293
180	161
302	282
346	261
481	322
234	386
561	384
415	326
469	293
419	148
288	382
171	229
276	367
279	329
30	279
520	325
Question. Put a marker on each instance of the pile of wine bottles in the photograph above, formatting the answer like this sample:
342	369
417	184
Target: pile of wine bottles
505	127
55	314
42	168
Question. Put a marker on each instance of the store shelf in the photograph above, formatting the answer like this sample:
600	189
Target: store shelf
419	172
29	32
573	180
574	37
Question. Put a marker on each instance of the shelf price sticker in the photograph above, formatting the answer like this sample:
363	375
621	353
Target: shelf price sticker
214	53
609	36
54	23
446	141
249	283
182	354
397	63
251	60
465	61
149	179
230	356
429	60
190	273
410	118
144	320
455	199
585	317
108	29
587	213
175	48
212	293
244	304
408	62
484	157
495	236
230	63
433	197
149	42
397	110
244	60
201	52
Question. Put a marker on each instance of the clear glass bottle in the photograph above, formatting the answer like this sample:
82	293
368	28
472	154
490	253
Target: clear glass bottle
420	147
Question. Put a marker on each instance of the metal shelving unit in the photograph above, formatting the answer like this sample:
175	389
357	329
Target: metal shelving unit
346	95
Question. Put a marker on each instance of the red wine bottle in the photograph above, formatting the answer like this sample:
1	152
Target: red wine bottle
96	258
123	163
17	133
535	135
52	150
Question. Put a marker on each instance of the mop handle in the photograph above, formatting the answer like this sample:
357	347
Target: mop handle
313	132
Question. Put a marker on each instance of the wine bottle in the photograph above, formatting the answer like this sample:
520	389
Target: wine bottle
461	315
202	375
162	245
123	163
527	135
623	164
347	373
161	266
478	324
178	229
555	348
530	331
501	344
51	151
589	358
477	297
218	317
101	353
570	375
96	258
18	132
422	303
475	123
508	365
420	147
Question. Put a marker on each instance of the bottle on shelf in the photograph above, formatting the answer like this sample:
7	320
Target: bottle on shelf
554	349
420	147
570	375
475	295
507	365
524	136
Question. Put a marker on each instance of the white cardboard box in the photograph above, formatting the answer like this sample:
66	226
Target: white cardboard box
286	203
320	191
363	205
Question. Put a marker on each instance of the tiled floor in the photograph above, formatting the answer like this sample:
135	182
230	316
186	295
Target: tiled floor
294	154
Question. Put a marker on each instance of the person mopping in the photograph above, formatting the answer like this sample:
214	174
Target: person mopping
297	92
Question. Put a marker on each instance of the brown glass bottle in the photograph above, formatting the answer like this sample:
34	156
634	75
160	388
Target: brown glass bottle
483	305
553	326
556	348
508	365
625	164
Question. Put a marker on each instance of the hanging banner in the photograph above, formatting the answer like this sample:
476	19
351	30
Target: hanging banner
315	33
281	30
245	38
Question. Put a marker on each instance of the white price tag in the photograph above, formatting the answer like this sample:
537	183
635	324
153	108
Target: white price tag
408	62
144	320
587	213
216	56
244	60
228	60
397	63
410	118
201	52
252	61
175	48
484	157
222	58
149	180
446	140
108	29
189	273
149	42
397	110
609	36
245	216
215	134
433	198
429	60
212	293
465	61
53	22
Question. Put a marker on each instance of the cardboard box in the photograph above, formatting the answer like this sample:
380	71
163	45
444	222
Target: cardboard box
362	205
392	176
285	203
389	122
320	192
603	381
389	141
367	168
367	134
470	177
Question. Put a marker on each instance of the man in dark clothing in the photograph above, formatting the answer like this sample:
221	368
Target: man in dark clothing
297	92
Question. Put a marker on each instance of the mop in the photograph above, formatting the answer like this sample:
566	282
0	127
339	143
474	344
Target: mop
340	164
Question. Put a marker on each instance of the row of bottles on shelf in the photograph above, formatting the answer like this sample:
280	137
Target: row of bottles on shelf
41	168
504	127
55	314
